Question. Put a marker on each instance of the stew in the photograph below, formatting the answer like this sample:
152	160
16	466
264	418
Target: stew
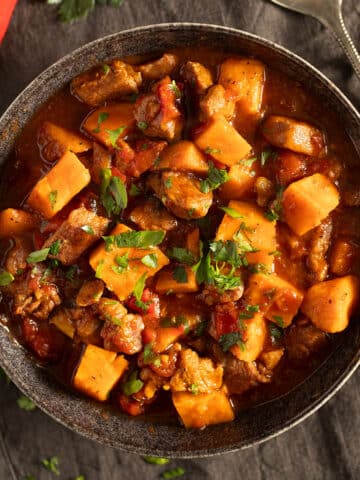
181	232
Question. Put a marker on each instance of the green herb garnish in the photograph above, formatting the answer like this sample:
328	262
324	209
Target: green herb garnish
52	464
55	247
114	135
150	260
174	473
266	154
134	190
101	118
133	384
181	255
156	460
88	229
232	212
99	269
179	274
279	320
228	340
6	278
150	357
194	389
105	68
53	198
142	125
25	403
141	239
113	194
175	89
212	151
38	255
215	178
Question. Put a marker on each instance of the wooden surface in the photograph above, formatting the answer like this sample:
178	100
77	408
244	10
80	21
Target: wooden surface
325	446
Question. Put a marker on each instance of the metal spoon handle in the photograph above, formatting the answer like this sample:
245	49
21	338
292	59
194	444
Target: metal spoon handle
342	35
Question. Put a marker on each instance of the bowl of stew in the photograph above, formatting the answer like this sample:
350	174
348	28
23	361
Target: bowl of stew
179	238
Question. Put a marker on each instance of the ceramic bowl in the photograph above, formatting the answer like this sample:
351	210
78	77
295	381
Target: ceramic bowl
144	435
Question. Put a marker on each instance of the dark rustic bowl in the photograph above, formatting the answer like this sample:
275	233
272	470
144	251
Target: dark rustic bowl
136	435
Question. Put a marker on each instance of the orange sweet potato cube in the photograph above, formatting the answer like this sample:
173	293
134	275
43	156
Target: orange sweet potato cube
67	178
116	117
123	283
330	304
222	141
16	222
253	339
308	201
167	283
182	156
241	182
49	132
98	372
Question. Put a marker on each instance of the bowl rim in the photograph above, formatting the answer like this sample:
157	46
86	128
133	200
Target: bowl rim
314	405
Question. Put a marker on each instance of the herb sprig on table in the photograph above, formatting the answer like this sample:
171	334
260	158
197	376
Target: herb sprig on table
71	10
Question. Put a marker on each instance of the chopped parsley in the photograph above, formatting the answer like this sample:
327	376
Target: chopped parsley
247	162
175	89
122	263
102	117
150	357
141	239
279	320
194	389
266	154
6	278
53	198
249	312
150	260
212	151
26	404
88	229
179	274
113	194
72	10
156	460
142	125
134	190
138	290
105	68
114	135
52	464
181	255
275	208
133	384
38	255
168	182
55	247
275	333
99	269
228	340
174	473
201	328
70	272
215	178
232	212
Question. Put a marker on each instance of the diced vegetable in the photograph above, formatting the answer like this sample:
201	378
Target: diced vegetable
302	208
182	156
198	76
254	234
330	304
278	299
301	137
151	215
242	177
219	139
110	123
16	222
62	320
122	281
197	411
218	101
160	67
98	372
49	132
67	178
342	256
253	339
90	293
245	77
169	281
271	358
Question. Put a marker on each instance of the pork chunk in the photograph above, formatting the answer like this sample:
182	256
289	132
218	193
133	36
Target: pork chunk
319	246
106	82
194	370
198	76
158	68
180	192
101	159
303	340
217	101
90	293
15	260
151	215
74	240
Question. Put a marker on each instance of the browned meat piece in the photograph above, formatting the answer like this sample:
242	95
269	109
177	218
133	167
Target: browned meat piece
87	324
294	245
15	261
319	246
35	295
304	340
121	331
271	358
101	159
74	240
194	370
106	82
211	295
157	113
343	256
152	382
217	101
180	192
301	137
151	215
265	190
198	76
146	154
159	68
43	339
90	293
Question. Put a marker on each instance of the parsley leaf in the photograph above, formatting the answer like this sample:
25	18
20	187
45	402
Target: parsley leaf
114	135
53	198
134	190
174	473
279	320
139	288
150	260
38	255
25	403
228	340
142	125
52	465
194	389
211	151
122	263
181	255
88	229
133	385
215	178
232	212
99	269
113	194
179	274
156	460
275	333
106	68
70	272
141	239
275	209
6	278
247	162
72	10
55	247
266	154
175	89
150	357
102	117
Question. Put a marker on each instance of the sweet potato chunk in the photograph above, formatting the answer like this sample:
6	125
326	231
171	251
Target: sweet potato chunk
197	411
219	139
90	293
278	299
151	215
245	77
182	156
330	304
159	68
98	372
241	182
67	178
111	123
106	82
51	133
308	201
301	137
181	193
218	101
198	76
62	320
16	222
123	283
252	231
167	283
73	239
253	337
